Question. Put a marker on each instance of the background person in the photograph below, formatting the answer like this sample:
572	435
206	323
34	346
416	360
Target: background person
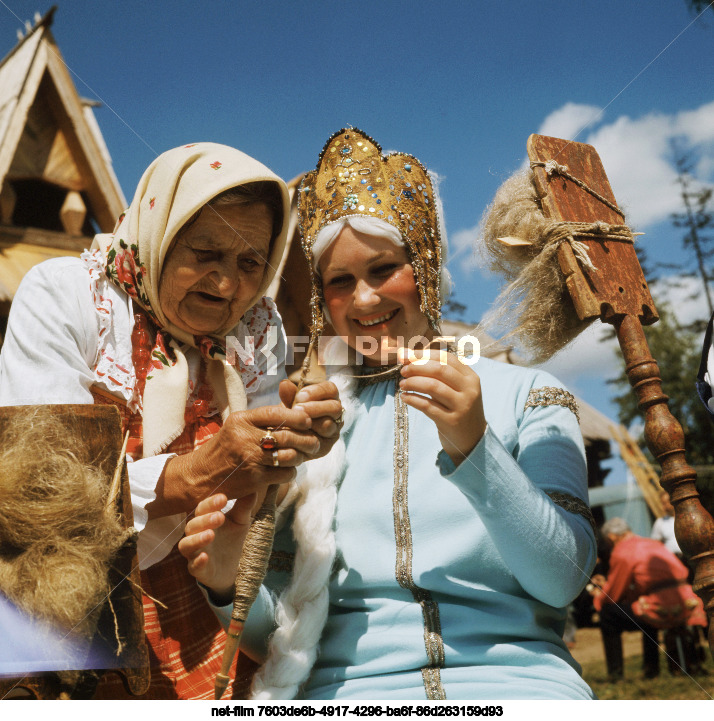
646	589
704	381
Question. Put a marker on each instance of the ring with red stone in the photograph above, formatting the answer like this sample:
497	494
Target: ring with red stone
269	442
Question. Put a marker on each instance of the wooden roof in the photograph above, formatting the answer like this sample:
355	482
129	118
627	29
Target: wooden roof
57	184
48	132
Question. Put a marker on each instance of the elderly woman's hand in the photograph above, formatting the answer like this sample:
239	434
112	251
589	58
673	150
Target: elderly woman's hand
322	403
449	392
213	543
232	462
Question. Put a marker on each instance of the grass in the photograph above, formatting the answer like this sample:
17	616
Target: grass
635	686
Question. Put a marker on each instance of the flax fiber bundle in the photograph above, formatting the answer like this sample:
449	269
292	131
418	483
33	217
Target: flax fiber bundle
57	538
534	310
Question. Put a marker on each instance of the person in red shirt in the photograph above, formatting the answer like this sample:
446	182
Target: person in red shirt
644	576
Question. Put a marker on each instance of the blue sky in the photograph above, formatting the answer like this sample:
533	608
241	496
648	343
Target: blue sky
460	85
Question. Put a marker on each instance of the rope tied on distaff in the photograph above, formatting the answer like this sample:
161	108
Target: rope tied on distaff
566	232
553	168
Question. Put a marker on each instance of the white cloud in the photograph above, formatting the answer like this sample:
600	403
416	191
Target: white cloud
589	355
685	296
637	153
462	246
569	120
635	156
705	166
697	125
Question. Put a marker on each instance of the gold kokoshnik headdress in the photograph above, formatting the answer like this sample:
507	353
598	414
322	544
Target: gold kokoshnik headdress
354	178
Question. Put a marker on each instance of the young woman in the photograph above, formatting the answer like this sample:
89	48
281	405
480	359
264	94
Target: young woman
437	545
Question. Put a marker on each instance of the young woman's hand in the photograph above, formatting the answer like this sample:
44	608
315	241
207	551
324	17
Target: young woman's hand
213	543
449	392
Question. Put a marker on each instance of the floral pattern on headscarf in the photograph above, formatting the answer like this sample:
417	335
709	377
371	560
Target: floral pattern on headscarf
161	355
125	270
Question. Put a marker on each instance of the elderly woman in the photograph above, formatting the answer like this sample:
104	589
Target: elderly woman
440	541
143	322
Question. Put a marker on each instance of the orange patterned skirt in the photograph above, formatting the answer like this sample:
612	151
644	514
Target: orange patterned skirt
185	640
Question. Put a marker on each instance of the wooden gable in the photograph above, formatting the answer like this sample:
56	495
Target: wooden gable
57	185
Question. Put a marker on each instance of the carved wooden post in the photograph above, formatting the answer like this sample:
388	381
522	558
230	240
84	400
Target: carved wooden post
72	213
693	525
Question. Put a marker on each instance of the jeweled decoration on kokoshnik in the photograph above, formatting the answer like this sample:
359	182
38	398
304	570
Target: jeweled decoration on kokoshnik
354	178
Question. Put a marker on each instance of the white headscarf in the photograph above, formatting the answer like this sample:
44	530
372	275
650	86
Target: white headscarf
173	188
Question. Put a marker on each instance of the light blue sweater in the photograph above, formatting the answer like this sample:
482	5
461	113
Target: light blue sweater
499	560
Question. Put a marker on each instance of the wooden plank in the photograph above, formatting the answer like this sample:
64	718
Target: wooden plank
16	260
37	137
624	291
10	235
42	151
22	108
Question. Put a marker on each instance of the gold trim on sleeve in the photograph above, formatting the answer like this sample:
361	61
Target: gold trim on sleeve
573	504
549	396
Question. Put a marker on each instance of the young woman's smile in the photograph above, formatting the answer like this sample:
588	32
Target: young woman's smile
379	320
371	295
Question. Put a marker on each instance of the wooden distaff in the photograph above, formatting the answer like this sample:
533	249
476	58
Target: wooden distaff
120	628
573	187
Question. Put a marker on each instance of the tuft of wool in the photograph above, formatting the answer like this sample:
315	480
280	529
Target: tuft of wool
534	309
57	538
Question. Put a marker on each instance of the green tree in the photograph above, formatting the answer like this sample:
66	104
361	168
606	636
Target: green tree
697	221
699	6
